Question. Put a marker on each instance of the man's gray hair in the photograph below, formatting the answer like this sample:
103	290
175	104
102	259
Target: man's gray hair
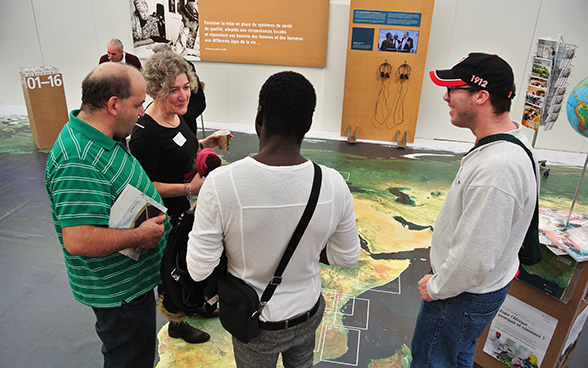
118	44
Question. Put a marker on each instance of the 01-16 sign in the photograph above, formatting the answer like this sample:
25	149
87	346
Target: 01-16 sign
38	81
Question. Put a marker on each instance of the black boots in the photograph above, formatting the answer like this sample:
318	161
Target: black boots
187	333
207	311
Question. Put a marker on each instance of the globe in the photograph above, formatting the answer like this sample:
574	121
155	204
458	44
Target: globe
578	108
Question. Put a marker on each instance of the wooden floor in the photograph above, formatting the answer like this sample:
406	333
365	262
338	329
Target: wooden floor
43	326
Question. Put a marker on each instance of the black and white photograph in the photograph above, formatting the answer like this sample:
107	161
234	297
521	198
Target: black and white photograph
172	22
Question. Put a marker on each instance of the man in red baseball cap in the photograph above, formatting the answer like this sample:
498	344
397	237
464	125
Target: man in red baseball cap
483	221
483	71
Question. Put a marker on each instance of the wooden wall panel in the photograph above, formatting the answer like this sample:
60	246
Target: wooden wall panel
382	106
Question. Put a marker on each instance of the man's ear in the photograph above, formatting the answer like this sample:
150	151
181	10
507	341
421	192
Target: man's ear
114	105
259	120
482	97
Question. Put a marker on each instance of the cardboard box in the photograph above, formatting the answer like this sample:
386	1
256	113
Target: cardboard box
45	100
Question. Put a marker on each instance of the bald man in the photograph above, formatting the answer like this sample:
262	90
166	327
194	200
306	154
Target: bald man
87	169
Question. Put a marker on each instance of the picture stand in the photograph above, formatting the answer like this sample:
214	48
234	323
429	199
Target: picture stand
401	143
352	138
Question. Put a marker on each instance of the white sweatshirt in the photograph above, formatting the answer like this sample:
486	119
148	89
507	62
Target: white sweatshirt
483	220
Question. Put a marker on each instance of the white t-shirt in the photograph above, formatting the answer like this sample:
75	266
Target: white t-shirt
252	209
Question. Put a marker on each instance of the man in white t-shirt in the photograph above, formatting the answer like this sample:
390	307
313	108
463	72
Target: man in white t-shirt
250	209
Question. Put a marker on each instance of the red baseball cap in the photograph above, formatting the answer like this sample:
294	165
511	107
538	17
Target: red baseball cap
483	71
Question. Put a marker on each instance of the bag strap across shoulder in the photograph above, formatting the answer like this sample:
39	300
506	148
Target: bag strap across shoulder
506	137
298	232
511	138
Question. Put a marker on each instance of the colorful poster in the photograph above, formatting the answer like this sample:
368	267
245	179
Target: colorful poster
519	334
398	40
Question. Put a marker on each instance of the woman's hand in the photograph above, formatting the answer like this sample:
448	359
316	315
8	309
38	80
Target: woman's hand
212	140
196	184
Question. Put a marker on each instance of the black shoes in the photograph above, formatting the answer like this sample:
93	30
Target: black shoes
207	311
187	333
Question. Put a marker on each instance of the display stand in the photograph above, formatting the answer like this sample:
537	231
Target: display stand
551	68
385	67
352	137
559	350
45	100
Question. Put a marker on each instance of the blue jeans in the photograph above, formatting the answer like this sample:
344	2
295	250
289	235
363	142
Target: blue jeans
446	330
296	344
128	333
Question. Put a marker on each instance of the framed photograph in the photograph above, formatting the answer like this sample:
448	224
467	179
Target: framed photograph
398	40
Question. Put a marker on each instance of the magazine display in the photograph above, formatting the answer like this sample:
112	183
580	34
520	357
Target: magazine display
551	68
131	208
573	240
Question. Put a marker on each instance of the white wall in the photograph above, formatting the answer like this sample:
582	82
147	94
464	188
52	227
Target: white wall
510	29
73	34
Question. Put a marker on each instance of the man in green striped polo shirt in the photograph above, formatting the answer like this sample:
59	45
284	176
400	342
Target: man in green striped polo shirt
87	169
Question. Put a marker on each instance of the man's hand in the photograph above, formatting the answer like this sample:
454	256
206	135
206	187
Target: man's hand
423	288
100	241
153	231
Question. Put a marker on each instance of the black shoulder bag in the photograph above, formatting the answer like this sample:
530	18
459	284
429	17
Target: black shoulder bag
180	293
239	304
530	252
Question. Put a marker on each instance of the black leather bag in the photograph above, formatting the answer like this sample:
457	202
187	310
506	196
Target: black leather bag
530	252
239	305
180	293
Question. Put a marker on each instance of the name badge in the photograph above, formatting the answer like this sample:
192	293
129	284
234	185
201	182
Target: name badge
180	139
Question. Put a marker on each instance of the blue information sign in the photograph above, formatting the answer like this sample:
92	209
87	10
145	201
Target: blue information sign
387	18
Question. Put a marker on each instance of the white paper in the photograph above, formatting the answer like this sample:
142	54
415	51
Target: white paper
519	332
180	139
129	210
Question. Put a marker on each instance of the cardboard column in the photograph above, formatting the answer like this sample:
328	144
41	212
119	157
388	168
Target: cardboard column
45	100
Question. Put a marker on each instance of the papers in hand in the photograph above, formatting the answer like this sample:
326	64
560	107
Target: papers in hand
131	208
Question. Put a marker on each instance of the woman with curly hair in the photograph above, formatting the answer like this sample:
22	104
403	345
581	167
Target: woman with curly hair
166	148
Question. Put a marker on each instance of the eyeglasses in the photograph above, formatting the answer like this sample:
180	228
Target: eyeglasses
449	89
